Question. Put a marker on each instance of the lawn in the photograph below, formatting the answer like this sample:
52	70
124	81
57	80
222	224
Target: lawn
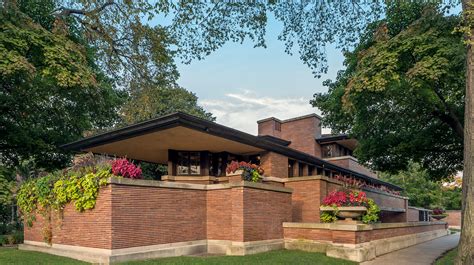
448	258
14	256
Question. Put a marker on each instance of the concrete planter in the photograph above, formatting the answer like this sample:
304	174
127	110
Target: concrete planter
235	173
439	216
347	213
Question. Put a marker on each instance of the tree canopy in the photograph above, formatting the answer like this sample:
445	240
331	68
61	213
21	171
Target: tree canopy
424	192
62	76
402	94
51	92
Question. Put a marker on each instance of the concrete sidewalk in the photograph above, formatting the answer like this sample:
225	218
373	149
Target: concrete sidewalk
421	254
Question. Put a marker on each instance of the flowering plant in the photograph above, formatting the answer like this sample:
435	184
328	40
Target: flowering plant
351	182
123	167
345	198
250	172
438	211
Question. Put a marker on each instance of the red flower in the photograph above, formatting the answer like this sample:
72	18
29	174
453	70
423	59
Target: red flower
122	167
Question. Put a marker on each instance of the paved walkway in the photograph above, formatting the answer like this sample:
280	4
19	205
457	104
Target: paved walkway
421	254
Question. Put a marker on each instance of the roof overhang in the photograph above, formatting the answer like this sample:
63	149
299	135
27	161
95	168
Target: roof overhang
150	140
341	139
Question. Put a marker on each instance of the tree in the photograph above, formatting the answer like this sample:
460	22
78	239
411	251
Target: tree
311	26
402	95
51	92
154	101
422	190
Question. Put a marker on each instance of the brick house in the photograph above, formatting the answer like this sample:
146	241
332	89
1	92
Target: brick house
197	208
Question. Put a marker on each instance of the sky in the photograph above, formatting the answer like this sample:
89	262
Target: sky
240	84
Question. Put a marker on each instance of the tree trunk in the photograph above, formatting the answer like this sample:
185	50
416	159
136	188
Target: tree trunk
466	245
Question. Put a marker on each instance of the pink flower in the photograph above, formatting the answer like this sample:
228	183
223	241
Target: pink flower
123	167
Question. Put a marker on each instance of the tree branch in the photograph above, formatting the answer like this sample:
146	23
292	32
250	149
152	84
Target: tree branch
69	11
448	116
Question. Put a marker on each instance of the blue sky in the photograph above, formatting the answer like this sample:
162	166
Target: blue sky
240	84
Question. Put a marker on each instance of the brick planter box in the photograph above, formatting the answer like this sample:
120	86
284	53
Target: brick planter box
359	242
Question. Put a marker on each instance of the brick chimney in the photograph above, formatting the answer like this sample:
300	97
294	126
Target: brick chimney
301	131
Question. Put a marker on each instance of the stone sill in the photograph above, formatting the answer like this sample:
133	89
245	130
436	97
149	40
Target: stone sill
189	186
357	227
305	178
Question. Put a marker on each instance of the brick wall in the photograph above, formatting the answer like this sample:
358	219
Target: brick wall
264	213
79	229
356	237
219	214
268	127
132	216
275	165
306	199
144	216
454	218
302	134
413	215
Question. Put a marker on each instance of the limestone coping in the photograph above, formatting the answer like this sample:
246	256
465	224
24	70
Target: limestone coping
191	178
385	193
192	186
320	177
306	178
357	227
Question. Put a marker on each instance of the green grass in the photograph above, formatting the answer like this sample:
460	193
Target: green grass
22	257
15	256
447	258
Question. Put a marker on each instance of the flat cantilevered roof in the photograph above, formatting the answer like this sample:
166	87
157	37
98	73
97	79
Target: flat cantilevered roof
150	140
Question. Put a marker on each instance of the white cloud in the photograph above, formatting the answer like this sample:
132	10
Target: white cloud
242	110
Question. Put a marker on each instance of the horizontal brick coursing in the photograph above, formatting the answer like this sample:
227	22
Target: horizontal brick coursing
219	215
78	228
132	216
144	216
264	213
355	237
453	218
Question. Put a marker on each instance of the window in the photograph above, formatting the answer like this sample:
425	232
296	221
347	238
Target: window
327	151
188	163
310	170
300	169
291	164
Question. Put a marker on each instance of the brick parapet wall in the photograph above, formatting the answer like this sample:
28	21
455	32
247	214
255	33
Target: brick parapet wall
141	215
344	235
78	228
275	165
453	218
309	192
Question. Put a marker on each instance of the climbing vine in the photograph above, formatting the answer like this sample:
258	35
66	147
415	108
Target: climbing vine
78	185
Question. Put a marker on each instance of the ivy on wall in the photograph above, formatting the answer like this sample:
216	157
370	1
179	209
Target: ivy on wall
78	185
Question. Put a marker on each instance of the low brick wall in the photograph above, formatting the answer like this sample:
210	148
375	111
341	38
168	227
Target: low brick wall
356	234
454	218
139	213
309	192
76	228
359	242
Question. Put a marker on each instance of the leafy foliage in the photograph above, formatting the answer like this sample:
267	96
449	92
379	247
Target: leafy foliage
341	198
50	92
402	93
154	101
250	172
422	190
